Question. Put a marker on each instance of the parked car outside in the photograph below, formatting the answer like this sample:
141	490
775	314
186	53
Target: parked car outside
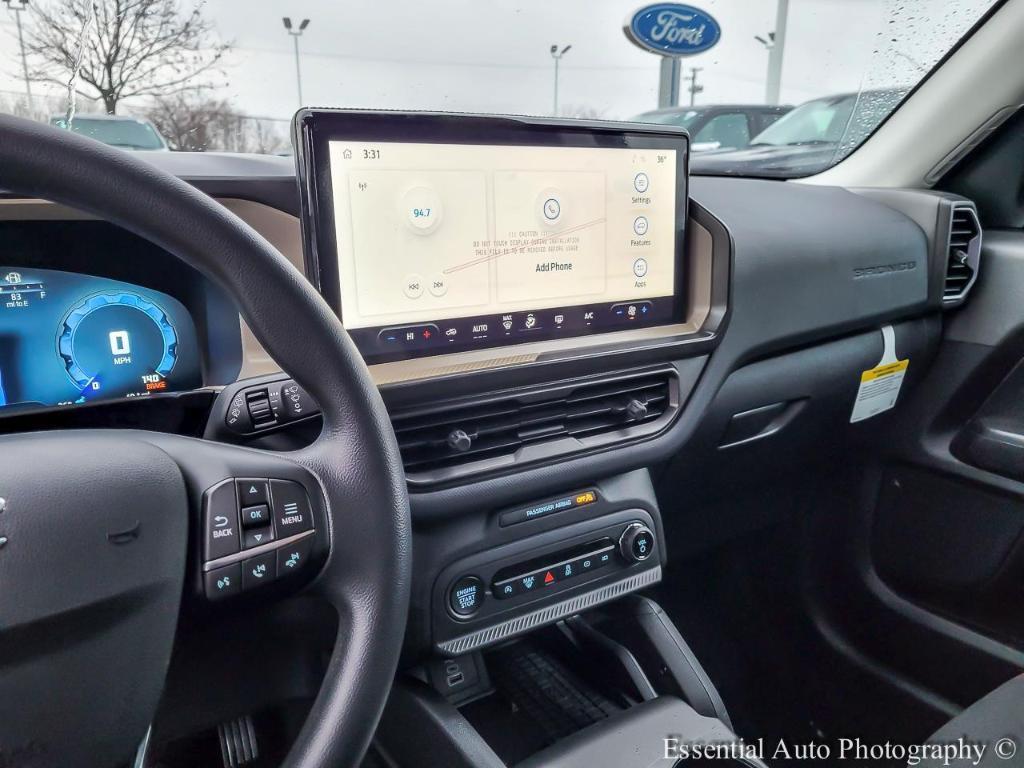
131	133
721	126
810	138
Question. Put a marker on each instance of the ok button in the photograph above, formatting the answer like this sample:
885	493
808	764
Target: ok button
255	516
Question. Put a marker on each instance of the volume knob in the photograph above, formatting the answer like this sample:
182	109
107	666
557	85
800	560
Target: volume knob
636	543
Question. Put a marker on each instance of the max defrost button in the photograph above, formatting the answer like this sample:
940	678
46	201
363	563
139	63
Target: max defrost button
465	596
292	513
220	520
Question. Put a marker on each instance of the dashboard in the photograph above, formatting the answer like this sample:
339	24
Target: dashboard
70	339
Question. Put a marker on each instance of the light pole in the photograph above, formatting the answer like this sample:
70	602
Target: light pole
18	6
694	88
557	56
296	34
775	44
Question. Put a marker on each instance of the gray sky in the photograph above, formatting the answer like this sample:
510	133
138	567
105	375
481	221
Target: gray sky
491	56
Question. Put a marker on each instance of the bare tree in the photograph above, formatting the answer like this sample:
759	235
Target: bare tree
195	123
131	48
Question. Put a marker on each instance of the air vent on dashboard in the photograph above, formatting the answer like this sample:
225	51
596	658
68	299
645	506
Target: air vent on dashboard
461	438
962	254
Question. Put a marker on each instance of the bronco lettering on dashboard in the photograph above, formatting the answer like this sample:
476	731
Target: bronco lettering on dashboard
883	269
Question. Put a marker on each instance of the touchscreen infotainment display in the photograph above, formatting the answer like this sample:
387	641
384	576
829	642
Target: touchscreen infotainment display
446	246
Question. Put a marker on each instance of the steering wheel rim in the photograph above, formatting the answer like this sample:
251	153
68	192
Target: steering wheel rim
355	459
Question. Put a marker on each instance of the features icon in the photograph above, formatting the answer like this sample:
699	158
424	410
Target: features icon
530	321
640	225
507	589
641	183
640	267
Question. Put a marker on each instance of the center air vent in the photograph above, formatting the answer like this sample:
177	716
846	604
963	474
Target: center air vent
467	437
962	254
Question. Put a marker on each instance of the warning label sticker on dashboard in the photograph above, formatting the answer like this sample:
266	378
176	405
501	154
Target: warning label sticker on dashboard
880	386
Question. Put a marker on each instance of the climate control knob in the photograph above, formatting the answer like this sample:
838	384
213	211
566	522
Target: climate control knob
636	543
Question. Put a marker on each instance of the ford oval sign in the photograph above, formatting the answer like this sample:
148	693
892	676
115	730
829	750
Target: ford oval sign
671	29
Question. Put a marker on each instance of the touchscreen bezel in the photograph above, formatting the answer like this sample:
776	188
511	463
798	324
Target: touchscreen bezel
315	129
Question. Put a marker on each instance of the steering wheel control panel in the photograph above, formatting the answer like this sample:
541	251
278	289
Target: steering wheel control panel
536	580
256	530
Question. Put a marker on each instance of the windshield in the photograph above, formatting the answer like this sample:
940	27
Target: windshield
228	75
130	134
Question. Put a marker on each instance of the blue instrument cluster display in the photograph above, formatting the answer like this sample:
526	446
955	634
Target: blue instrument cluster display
69	338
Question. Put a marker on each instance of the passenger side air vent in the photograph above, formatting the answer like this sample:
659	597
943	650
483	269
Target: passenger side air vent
460	438
963	253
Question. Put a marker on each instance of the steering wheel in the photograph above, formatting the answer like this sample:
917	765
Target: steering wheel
101	528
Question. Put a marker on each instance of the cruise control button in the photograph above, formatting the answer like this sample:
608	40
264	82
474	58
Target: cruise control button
291	508
293	557
223	582
254	537
220	521
466	595
255	517
258	570
252	491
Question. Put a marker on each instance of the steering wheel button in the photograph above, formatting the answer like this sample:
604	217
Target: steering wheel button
223	582
220	521
256	516
255	537
293	557
291	508
252	492
259	570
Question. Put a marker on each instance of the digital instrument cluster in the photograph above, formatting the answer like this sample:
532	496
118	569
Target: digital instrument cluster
68	339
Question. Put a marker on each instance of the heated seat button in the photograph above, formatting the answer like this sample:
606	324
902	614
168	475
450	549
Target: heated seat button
252	492
223	582
465	596
292	513
293	558
258	570
220	521
257	516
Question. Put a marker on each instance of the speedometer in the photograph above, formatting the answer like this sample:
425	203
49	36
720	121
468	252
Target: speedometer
117	344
